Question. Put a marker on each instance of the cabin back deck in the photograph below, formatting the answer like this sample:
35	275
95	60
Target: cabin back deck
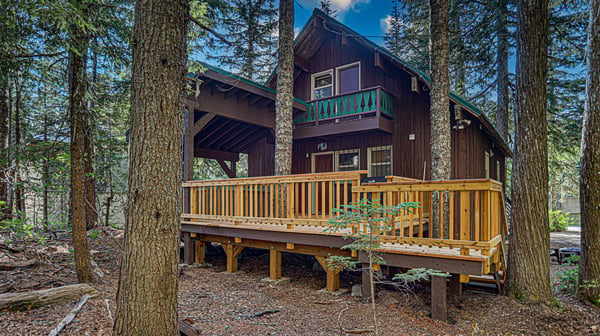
291	213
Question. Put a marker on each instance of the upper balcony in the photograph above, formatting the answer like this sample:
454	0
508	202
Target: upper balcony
363	110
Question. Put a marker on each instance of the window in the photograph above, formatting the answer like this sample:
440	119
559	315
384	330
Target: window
322	85
347	160
380	161
348	78
487	165
498	170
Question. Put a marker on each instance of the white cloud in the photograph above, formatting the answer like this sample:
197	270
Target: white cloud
345	5
386	23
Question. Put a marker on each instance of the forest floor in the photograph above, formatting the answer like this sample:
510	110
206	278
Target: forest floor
218	303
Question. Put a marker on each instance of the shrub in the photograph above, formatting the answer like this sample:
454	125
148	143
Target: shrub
559	221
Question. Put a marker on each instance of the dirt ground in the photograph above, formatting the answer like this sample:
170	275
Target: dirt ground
218	303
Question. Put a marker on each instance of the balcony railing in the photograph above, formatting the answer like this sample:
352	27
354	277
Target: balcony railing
358	104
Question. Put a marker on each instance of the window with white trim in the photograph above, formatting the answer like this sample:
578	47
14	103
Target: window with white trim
347	160
379	161
322	85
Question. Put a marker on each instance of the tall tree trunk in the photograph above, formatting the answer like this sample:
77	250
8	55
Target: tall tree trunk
45	172
19	198
460	72
529	261
90	185
439	97
502	81
147	294
4	158
285	88
589	265
77	109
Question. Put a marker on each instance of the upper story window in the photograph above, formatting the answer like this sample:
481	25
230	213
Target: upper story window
348	78
322	85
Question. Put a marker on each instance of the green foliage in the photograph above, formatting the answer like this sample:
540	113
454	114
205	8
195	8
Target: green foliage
21	229
416	275
93	234
559	221
568	278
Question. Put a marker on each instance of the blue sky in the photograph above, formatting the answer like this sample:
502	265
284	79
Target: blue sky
363	16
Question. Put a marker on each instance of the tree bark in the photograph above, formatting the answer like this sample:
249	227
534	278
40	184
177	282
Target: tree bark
439	97
529	264
502	81
44	297
77	109
147	294
4	158
90	180
589	265
285	88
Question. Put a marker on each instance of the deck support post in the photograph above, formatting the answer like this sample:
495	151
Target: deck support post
438	297
366	280
188	249
275	264
200	252
455	286
333	275
232	252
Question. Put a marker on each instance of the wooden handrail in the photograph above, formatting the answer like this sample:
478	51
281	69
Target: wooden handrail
279	179
473	221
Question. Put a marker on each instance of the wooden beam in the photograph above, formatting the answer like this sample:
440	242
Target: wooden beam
188	249
438	297
201	123
240	97
333	275
230	109
214	129
230	173
216	154
218	137
249	139
200	255
274	264
232	252
231	92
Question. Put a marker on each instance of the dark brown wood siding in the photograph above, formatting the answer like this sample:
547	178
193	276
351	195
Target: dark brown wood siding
411	116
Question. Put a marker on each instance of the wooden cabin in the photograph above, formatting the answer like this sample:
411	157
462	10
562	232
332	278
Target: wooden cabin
361	129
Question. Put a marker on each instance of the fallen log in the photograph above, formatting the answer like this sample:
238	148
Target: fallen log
70	316
186	328
39	298
9	266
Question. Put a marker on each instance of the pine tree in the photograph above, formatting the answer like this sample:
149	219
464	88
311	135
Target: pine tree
589	265
528	260
147	294
325	6
285	88
440	116
250	28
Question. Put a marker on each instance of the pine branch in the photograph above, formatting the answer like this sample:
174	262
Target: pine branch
203	26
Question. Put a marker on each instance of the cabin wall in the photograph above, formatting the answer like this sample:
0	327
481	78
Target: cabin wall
411	158
261	159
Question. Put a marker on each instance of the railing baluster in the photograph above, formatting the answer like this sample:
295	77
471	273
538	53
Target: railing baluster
465	216
477	218
451	216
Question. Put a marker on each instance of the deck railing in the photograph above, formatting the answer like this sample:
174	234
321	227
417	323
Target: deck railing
474	220
365	102
304	199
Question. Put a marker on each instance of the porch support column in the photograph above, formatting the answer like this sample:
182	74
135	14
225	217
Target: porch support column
275	264
200	254
333	275
232	252
188	249
438	297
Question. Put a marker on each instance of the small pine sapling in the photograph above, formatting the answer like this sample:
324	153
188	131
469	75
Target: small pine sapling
362	222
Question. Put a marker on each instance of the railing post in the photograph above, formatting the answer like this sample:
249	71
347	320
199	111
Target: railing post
378	102
239	203
289	187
